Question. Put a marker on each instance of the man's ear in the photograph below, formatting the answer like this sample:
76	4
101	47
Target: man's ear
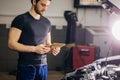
34	2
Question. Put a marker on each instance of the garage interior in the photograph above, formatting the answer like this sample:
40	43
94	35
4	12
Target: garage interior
84	28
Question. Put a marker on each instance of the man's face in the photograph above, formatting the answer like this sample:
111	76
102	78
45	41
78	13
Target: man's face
41	6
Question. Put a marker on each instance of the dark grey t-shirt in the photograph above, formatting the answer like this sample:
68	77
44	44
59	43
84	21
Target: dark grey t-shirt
34	33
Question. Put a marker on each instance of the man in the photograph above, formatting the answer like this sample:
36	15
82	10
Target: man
30	36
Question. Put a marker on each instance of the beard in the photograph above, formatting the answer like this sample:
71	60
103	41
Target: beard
37	11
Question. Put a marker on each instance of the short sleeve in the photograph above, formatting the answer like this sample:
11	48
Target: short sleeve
50	27
18	22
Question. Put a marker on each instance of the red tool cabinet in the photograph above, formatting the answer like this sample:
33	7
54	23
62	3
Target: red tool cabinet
82	55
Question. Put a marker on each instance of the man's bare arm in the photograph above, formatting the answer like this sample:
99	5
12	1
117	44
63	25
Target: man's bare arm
14	35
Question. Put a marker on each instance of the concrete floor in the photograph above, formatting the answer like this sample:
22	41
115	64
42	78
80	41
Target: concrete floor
52	75
55	75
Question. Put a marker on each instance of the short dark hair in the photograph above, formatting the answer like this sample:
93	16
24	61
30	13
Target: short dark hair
37	1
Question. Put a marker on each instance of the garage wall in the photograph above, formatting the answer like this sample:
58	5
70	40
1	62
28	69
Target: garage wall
8	58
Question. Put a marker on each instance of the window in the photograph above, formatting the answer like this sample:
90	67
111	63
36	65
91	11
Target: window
86	3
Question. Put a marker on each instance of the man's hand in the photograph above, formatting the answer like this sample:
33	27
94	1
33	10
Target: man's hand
42	49
56	47
55	50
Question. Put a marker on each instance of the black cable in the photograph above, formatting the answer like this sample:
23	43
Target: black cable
108	53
